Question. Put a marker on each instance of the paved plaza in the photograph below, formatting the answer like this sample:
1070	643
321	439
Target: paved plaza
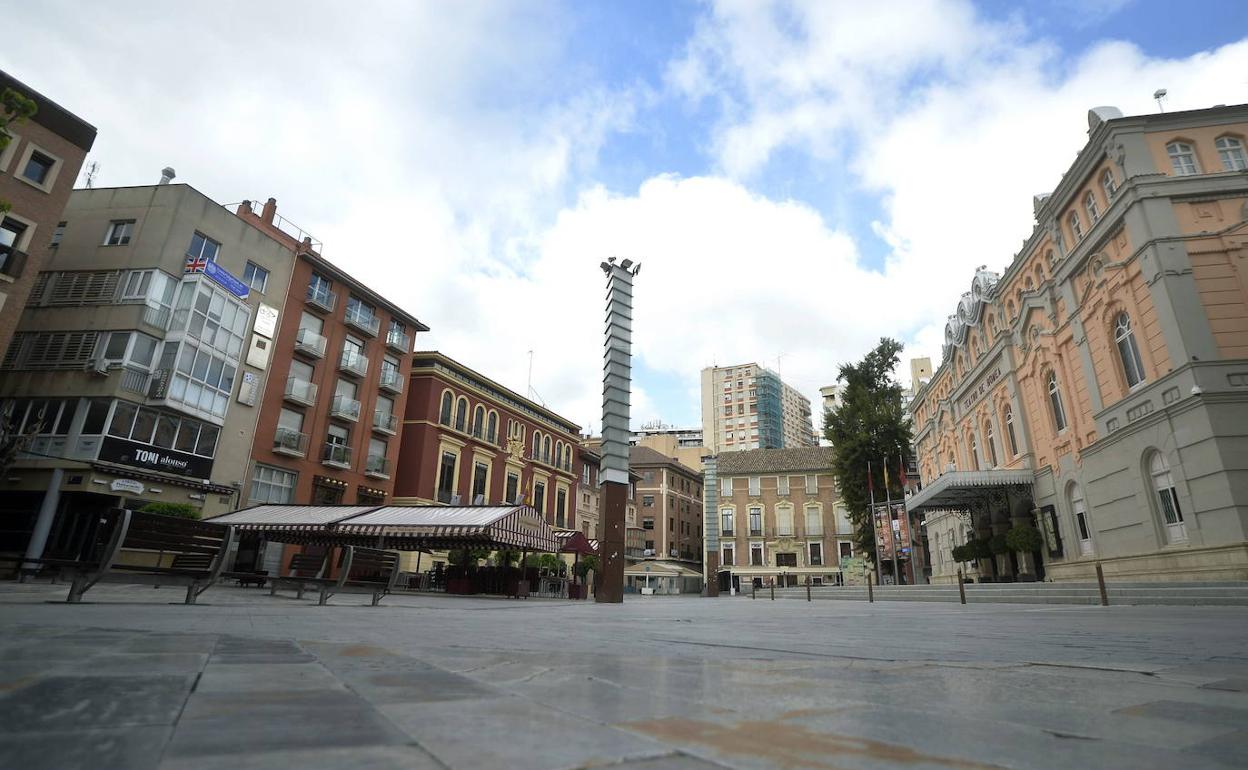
133	679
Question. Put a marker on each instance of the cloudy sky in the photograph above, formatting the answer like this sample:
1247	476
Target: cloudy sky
796	179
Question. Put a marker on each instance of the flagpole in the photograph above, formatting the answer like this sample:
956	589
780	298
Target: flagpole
910	531
892	535
875	528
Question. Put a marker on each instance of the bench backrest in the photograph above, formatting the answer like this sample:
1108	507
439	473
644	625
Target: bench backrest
194	544
373	565
307	564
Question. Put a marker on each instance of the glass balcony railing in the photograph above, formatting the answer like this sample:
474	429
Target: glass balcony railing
399	340
352	362
320	297
300	391
391	380
310	343
363	319
345	408
336	455
377	465
287	441
385	422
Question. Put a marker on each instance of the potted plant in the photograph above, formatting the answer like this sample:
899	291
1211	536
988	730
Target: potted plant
1027	540
980	550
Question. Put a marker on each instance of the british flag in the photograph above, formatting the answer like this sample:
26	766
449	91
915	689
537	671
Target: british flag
195	264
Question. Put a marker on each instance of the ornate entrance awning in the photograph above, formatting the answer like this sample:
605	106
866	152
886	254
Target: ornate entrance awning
400	527
959	490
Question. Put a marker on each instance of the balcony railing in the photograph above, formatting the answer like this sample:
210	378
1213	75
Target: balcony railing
310	343
399	340
157	317
385	422
287	441
300	391
391	380
322	298
345	408
726	533
377	465
135	380
12	262
352	362
362	319
336	455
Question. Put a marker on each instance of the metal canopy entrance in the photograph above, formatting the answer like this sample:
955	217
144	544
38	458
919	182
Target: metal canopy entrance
968	490
399	527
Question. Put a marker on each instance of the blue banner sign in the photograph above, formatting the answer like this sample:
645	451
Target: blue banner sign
229	282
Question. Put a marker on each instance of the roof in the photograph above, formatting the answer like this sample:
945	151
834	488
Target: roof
759	461
958	489
644	455
400	527
53	116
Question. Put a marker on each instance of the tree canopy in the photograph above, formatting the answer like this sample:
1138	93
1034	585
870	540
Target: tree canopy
868	428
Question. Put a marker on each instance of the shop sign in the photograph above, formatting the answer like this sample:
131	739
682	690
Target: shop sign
127	485
266	321
154	458
226	280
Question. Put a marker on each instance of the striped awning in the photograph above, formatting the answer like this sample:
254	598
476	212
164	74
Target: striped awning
958	489
574	541
400	527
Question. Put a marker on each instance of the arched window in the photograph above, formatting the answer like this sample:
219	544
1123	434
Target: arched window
1109	184
537	445
1182	158
461	414
990	439
478	421
1231	152
1076	228
491	430
1080	511
1048	259
1128	351
974	446
546	449
1055	403
1167	498
1009	431
1089	205
567	457
558	454
447	406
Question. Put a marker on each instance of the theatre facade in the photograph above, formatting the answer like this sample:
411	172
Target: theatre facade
1097	389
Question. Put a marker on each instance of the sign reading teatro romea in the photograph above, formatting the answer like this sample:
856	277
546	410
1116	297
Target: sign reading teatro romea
973	396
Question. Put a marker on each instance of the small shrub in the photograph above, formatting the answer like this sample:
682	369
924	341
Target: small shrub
1024	538
180	510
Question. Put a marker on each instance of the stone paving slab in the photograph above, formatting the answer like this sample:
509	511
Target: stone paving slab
249	681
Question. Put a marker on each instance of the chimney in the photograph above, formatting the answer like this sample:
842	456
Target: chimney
244	208
269	211
166	175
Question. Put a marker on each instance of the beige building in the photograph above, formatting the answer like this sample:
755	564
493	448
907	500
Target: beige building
1097	388
748	407
685	444
669	505
779	519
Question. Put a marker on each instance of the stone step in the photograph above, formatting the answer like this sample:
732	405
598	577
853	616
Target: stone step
1211	593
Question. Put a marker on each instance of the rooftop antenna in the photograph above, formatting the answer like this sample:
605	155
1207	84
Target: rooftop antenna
1160	94
92	170
529	391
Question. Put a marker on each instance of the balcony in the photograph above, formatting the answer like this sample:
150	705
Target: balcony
363	319
384	422
377	466
726	533
300	391
289	442
135	380
336	455
353	363
399	340
156	317
391	380
12	262
345	408
321	298
310	343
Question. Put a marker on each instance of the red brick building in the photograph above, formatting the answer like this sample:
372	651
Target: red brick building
469	441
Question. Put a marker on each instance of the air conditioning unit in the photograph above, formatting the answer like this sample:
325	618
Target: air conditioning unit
98	366
648	552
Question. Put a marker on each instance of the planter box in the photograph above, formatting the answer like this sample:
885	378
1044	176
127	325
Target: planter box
460	586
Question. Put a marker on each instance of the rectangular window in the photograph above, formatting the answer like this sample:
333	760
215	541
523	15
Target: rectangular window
647	501
782	485
814	521
725	487
272	485
202	249
256	277
847	549
755	483
756	521
726	523
816	554
38	168
58	234
647	523
119	232
728	556
513	488
539	496
786	560
480	471
756	554
561	507
446	477
812	485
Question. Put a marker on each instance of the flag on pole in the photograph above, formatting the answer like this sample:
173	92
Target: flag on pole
870	483
886	475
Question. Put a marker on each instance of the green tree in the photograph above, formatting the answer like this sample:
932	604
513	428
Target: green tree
14	110
868	428
585	565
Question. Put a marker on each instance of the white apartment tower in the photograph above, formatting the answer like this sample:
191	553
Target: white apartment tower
748	407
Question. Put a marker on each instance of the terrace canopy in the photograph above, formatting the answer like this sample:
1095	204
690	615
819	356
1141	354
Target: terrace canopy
969	490
399	527
573	541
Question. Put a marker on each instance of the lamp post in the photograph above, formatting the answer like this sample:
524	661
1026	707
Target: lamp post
616	389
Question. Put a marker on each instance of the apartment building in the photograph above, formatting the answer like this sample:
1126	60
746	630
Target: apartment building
684	444
37	173
669	505
748	407
779	520
1097	389
332	403
468	440
132	367
589	495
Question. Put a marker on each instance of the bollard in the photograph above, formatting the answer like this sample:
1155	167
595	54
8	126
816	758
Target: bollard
773	591
1100	582
753	590
870	591
961	587
808	588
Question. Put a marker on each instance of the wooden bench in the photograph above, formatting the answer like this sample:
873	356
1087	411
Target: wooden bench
305	572
198	549
364	571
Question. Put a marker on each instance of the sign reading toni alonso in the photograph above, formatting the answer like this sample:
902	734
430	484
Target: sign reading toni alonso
154	458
